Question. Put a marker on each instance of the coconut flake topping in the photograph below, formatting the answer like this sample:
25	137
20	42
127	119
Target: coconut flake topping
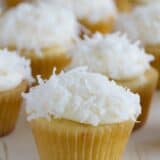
112	55
37	26
142	24
13	70
81	96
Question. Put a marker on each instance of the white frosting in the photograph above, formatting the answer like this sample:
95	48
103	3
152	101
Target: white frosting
95	10
82	97
112	55
37	26
13	70
142	24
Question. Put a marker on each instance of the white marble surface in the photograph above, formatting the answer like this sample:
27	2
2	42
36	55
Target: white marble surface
143	145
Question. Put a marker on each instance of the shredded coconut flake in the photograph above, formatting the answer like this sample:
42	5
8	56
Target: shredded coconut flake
84	97
112	55
37	26
13	70
142	24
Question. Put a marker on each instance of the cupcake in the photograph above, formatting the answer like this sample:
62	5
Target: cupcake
117	58
40	33
144	24
98	15
15	78
81	115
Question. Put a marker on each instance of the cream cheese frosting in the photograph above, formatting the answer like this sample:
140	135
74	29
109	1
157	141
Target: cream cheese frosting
95	10
82	96
112	55
142	24
37	26
13	70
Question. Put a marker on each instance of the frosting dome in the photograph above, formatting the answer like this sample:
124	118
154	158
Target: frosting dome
142	24
84	97
37	26
13	70
112	55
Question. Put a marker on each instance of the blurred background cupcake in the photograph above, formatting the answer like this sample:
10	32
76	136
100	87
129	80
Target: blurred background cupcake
143	24
81	115
116	57
98	15
15	78
41	33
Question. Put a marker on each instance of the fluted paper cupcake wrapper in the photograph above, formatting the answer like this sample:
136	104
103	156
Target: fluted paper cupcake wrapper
54	57
101	26
155	51
10	102
145	88
66	140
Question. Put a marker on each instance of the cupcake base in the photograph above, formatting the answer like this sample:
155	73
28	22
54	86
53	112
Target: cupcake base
10	103
145	86
67	140
54	57
155	51
101	26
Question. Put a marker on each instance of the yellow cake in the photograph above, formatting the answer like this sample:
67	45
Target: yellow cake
80	141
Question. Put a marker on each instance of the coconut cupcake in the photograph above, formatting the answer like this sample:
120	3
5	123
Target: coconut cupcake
15	78
144	24
117	58
81	115
96	16
41	33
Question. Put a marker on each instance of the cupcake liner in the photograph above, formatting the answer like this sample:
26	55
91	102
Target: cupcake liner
145	86
10	102
51	58
67	140
155	51
101	26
